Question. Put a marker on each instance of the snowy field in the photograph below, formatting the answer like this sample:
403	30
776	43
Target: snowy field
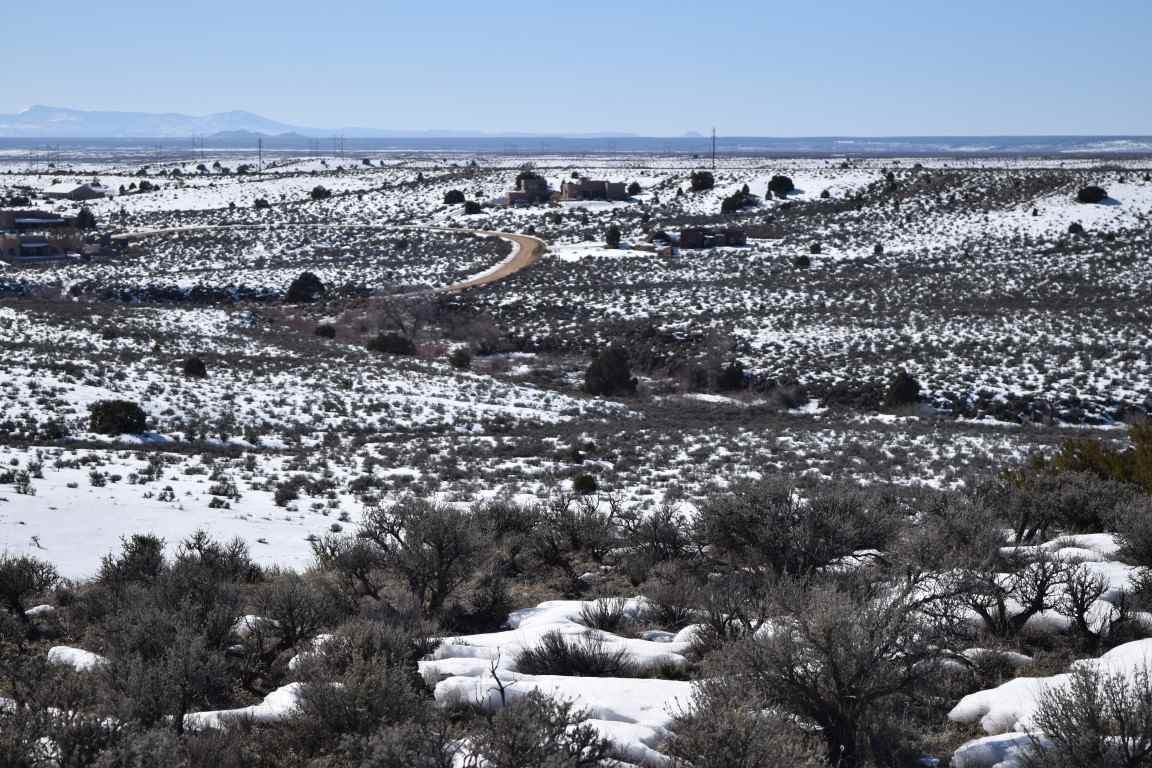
294	423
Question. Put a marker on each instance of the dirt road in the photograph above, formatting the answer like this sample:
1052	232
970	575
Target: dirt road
526	249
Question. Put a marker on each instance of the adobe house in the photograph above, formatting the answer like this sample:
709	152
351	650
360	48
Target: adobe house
22	249
70	191
29	236
26	221
531	188
692	238
589	189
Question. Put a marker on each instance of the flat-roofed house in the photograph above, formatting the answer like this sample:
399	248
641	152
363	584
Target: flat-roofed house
593	189
71	191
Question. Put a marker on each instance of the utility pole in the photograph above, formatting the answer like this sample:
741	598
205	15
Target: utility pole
260	154
713	147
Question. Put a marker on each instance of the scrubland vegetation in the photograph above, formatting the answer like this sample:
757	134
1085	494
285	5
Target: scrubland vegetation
807	623
869	489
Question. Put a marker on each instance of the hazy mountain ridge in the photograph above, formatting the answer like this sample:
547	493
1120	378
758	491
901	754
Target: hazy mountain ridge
42	121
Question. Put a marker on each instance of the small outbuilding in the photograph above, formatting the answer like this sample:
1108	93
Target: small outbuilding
70	191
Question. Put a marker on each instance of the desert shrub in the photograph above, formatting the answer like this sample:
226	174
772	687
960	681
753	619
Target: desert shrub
486	607
724	726
672	595
388	343
1091	195
296	608
261	204
166	655
571	529
803	261
460	359
320	193
1131	464
85	219
428	743
325	331
434	548
194	368
453	197
902	390
612	236
288	490
1036	504
634	189
738	201
502	518
732	377
701	181
1133	523
584	484
116	417
1098	719
660	535
584	656
1075	228
22	577
607	614
610	374
780	186
361	678
1005	602
141	559
304	289
143	748
536	731
850	653
767	525
357	564
471	208
203	557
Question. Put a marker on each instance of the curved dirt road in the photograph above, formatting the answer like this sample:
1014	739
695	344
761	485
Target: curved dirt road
526	249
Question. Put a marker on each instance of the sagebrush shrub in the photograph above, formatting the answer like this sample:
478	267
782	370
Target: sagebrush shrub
583	656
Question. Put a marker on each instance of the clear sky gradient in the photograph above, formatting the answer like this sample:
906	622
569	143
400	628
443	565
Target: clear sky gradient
656	68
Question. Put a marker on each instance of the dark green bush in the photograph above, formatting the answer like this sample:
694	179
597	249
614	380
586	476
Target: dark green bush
391	344
701	181
584	484
460	359
116	417
194	368
902	390
304	289
780	186
610	374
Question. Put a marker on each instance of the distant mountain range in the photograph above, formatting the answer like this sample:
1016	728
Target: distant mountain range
58	122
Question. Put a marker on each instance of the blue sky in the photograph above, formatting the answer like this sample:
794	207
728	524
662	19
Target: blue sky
797	68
